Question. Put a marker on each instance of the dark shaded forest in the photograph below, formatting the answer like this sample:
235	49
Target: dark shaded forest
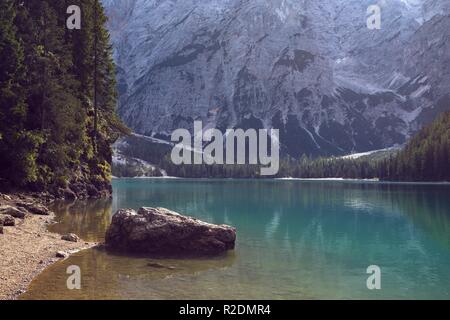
57	99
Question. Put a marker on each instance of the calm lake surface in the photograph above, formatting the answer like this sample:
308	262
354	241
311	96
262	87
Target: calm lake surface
296	240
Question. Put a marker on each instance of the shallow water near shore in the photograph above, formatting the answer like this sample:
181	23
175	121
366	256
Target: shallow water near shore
296	240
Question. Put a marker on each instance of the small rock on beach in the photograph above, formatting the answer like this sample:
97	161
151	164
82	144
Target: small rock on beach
7	220
61	254
12	211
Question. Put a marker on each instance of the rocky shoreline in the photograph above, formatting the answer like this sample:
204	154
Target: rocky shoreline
26	245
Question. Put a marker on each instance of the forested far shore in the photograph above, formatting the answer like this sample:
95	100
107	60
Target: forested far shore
57	99
425	158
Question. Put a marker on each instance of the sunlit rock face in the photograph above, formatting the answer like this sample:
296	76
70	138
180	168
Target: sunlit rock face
309	68
158	231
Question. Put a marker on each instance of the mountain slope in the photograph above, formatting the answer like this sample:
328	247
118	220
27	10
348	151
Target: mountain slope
309	68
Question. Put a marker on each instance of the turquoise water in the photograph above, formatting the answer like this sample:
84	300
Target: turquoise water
296	240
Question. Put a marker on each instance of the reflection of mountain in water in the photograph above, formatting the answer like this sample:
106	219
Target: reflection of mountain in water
328	213
295	240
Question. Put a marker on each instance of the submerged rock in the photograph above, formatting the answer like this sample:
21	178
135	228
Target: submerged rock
163	232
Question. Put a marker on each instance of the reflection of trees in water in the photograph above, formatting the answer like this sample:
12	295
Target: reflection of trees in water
428	209
327	223
291	236
88	219
288	209
337	227
427	206
334	215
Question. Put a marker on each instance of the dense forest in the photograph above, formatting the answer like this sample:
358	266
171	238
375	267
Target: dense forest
425	158
57	99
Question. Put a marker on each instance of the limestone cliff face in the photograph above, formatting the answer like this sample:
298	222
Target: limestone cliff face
310	68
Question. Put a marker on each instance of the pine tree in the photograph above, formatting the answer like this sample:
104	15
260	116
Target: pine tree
18	147
47	134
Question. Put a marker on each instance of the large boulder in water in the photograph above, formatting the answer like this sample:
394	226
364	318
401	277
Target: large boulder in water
158	231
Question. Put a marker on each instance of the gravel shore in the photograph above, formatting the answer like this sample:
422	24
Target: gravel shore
27	248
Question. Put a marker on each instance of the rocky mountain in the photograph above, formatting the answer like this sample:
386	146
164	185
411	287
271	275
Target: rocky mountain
312	69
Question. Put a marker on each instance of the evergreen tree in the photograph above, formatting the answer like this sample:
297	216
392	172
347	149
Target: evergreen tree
18	147
51	136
